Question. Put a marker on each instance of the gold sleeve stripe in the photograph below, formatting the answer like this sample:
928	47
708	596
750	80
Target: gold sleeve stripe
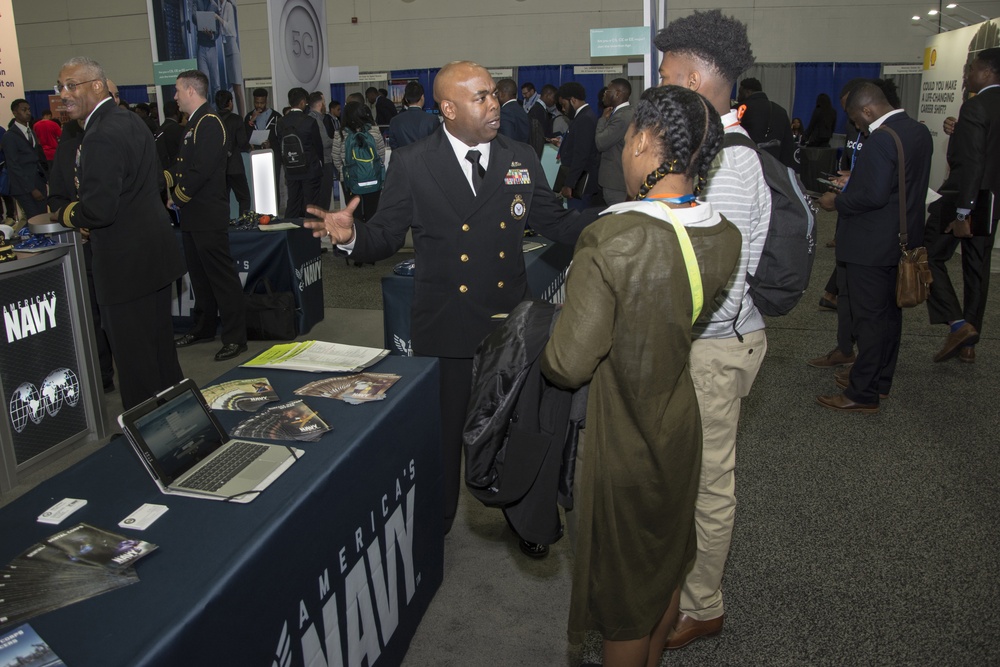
170	179
179	194
68	214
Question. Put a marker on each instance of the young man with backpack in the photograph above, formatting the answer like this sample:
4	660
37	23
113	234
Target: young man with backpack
359	156
706	52
300	148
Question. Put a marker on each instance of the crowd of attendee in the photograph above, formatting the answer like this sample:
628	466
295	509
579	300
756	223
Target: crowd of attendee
669	208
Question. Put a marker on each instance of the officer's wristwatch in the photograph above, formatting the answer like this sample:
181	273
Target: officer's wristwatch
961	217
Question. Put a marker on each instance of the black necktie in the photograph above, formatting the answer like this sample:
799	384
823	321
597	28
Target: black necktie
478	173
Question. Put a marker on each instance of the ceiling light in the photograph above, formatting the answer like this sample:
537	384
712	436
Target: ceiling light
932	12
951	6
916	18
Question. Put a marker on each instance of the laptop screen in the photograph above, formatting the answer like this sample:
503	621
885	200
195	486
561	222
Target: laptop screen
179	434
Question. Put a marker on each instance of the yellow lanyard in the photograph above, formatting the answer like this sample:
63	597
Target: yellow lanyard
691	263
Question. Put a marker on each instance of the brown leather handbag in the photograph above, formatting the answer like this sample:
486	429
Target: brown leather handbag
913	282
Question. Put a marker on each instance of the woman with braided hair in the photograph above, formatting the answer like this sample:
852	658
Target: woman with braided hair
631	297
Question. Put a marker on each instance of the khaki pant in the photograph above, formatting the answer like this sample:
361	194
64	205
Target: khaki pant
723	370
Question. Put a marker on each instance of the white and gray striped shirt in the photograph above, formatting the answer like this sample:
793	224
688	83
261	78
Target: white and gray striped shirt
736	189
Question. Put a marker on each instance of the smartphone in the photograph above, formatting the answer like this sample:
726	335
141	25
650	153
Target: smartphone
828	175
828	183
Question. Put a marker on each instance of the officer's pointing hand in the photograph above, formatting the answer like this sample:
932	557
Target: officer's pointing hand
338	224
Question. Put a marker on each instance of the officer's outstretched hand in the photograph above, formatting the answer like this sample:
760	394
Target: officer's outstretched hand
339	225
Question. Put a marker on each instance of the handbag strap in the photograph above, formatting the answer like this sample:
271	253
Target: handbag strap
690	263
903	235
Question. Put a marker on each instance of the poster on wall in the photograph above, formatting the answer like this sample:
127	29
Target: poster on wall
942	86
298	47
38	363
11	83
206	31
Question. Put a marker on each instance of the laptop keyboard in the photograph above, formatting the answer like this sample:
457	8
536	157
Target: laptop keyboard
225	467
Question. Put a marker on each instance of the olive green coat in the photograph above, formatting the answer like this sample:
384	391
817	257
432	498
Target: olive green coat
626	328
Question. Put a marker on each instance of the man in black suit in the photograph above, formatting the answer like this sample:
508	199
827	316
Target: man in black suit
578	152
170	135
237	144
26	163
385	110
196	185
514	121
534	105
135	257
303	181
868	240
972	185
413	124
466	193
766	122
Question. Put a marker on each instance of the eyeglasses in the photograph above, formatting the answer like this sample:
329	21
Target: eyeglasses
71	87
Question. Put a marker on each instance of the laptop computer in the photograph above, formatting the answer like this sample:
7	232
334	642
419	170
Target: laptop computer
188	452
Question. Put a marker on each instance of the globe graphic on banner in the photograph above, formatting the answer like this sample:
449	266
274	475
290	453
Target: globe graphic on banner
60	385
25	404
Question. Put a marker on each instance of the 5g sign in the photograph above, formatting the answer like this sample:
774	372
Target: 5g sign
300	57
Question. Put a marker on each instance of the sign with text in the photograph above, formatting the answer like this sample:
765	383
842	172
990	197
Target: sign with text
619	41
501	73
298	45
597	69
39	367
371	77
165	72
942	87
888	70
11	82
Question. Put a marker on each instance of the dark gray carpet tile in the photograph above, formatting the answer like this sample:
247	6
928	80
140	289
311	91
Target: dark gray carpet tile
348	286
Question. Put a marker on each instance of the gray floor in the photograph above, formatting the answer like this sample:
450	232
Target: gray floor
859	540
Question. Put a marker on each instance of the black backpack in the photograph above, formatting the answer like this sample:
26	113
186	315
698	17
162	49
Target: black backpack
293	154
786	259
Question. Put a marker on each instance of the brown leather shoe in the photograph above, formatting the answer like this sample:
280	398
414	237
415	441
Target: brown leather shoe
966	335
842	376
687	629
828	301
841	403
967	354
832	358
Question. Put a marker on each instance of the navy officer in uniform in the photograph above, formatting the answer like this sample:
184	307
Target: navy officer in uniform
135	257
466	193
196	184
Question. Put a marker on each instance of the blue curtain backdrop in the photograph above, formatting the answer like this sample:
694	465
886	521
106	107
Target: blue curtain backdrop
338	91
811	79
39	99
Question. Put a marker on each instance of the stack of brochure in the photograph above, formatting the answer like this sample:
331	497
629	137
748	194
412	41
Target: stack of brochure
288	421
75	564
354	389
247	395
318	356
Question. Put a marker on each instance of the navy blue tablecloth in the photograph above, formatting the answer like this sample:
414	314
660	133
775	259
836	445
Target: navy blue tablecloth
344	552
289	259
545	269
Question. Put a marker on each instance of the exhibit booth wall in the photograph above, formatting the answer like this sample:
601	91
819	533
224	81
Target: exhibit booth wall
429	33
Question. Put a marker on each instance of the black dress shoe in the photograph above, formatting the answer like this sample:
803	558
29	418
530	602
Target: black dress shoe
191	339
230	350
532	550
